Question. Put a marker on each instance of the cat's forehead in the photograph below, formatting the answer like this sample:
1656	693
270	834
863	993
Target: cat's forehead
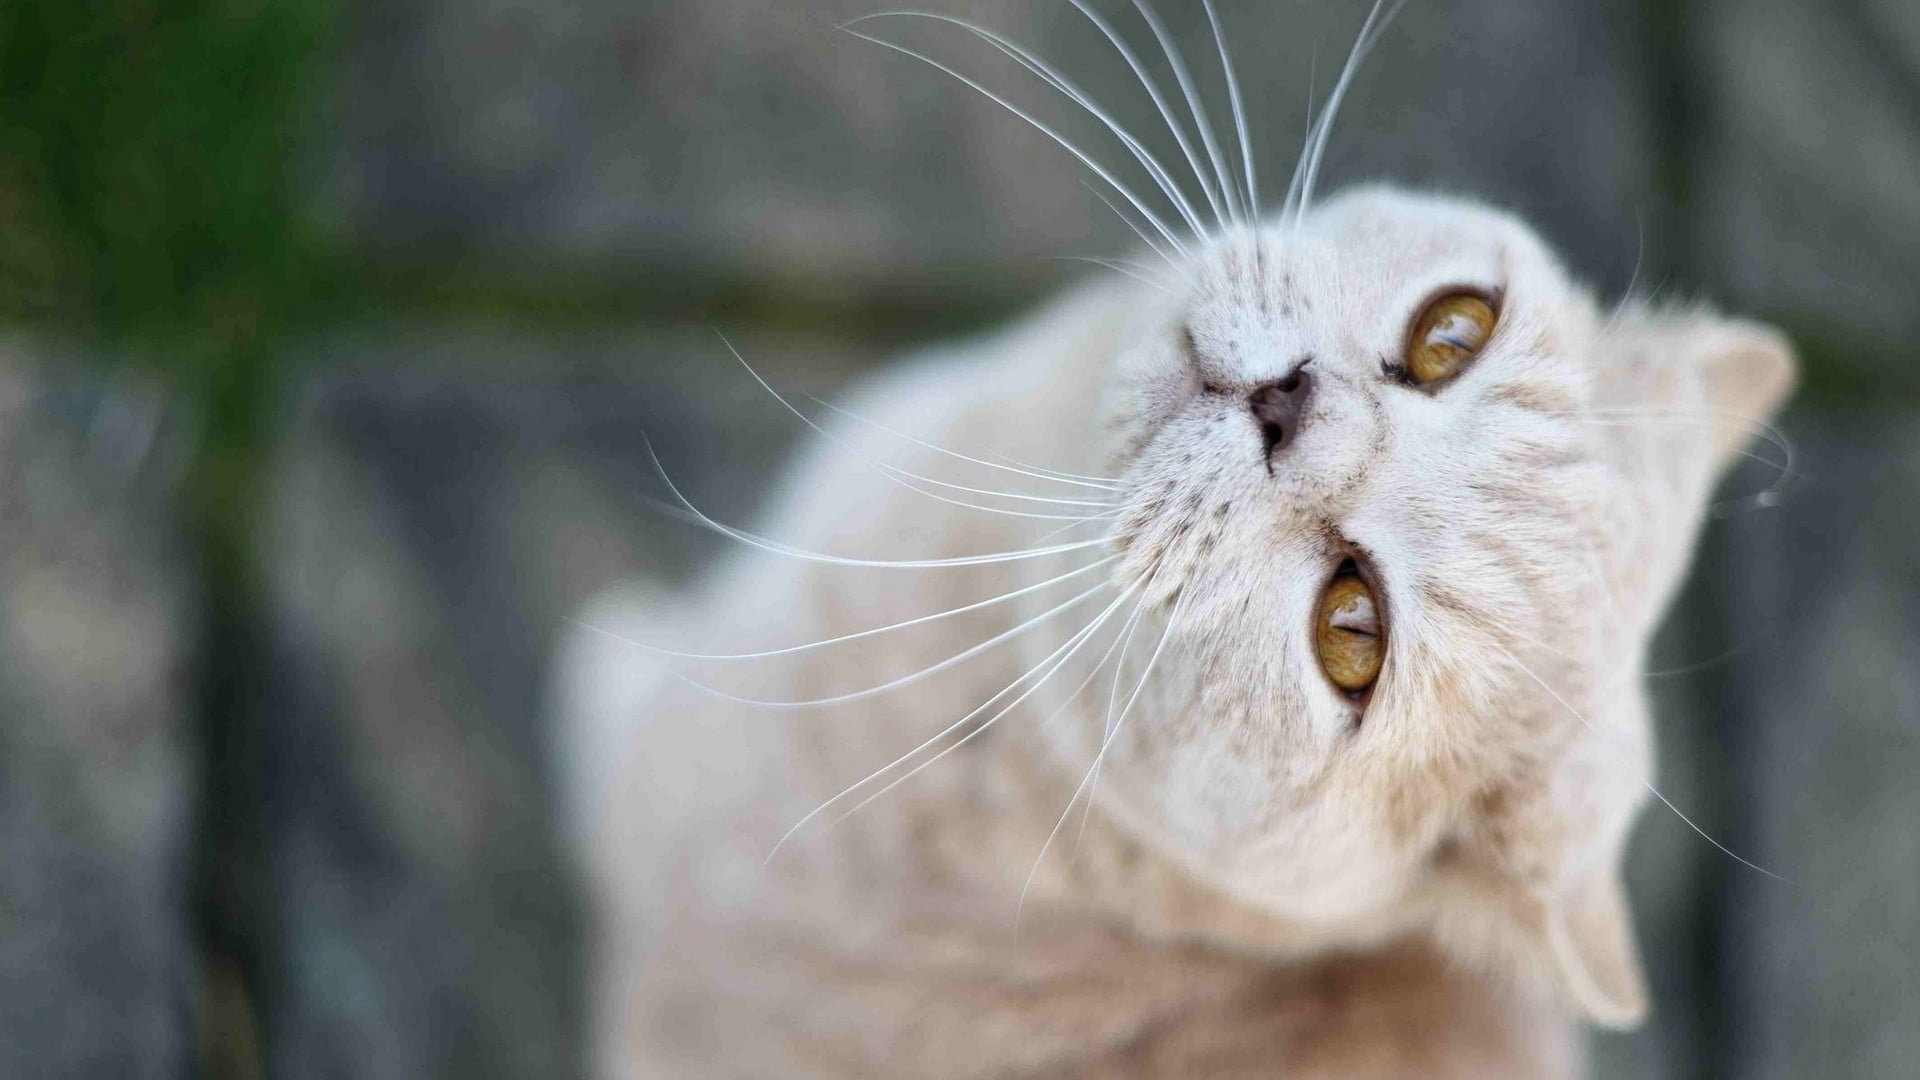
1349	274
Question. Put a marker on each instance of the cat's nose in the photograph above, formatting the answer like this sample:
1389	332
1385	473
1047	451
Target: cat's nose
1278	406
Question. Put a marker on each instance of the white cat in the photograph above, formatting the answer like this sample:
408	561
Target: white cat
1258	692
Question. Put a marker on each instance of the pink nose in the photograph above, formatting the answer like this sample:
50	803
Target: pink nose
1277	408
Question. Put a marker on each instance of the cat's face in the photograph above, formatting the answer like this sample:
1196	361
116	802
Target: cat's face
1516	524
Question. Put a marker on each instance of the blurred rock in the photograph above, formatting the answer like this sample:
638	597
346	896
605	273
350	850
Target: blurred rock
95	975
760	136
1806	167
1822	724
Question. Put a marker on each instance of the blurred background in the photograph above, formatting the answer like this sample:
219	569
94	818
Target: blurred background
328	334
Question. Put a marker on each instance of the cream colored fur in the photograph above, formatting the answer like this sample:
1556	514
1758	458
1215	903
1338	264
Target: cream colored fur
1270	881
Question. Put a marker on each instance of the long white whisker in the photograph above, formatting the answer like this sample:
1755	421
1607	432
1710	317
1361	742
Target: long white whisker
855	636
1038	66
1128	221
1069	648
1106	727
1639	256
1648	784
1095	167
1361	46
1788	466
1761	428
1072	646
1239	112
1172	617
1194	106
1160	102
1067	528
1306	142
1308	164
895	473
1122	268
893	684
1720	657
779	548
1100	482
1058	475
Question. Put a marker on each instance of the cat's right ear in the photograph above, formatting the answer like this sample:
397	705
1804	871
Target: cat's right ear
1589	937
1720	376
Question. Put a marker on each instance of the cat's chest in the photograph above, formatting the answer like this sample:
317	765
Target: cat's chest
942	992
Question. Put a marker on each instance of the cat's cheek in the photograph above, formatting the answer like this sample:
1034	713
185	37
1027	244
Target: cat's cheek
1213	791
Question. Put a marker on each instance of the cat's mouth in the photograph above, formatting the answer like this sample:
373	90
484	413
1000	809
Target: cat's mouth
1350	628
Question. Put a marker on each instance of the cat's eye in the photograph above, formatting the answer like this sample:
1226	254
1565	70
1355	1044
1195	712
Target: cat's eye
1446	335
1349	634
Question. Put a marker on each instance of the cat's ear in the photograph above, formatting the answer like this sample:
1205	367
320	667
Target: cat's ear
1589	938
1730	375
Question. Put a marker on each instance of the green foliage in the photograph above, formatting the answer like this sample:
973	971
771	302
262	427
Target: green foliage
153	147
150	200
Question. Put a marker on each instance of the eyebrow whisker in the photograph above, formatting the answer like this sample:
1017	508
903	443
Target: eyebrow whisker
1194	106
1035	64
1094	166
1152	88
1239	111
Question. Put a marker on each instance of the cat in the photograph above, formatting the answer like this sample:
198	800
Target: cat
1261	693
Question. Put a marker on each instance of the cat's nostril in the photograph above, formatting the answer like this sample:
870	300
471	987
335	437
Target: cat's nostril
1278	407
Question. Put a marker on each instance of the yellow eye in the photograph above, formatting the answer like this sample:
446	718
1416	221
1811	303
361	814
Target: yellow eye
1348	632
1447	335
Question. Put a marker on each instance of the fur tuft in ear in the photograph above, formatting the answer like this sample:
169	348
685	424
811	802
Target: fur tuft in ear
1589	936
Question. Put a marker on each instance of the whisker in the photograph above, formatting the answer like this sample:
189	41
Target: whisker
1362	45
855	636
1720	657
1038	66
1172	618
1239	112
1122	268
1094	166
1100	482
1160	102
1129	268
779	548
1306	141
1194	106
1106	727
1639	256
1773	436
893	684
1058	475
1648	784
1062	530
1071	646
1127	220
894	472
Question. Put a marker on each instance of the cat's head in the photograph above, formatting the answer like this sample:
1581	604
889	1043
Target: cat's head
1411	505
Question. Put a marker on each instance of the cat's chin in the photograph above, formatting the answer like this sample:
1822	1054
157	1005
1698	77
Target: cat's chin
1211	916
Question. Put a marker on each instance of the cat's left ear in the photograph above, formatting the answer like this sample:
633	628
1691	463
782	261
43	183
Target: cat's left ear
1588	929
1732	374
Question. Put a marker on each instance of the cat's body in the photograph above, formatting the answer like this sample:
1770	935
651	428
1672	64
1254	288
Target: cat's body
1272	879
